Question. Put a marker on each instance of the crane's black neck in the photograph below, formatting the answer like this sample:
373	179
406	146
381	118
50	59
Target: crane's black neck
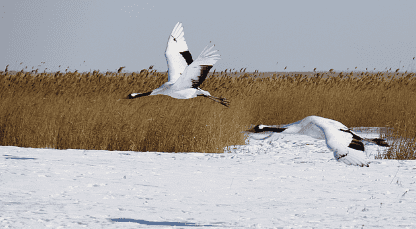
256	129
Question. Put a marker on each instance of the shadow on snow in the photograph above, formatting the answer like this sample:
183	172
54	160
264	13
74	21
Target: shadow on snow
145	222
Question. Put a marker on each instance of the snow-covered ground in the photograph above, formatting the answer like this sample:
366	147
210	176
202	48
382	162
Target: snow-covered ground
288	181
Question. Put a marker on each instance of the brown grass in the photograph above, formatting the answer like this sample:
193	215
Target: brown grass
87	110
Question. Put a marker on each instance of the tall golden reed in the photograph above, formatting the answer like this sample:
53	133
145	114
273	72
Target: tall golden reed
88	110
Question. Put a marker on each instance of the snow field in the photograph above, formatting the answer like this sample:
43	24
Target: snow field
291	181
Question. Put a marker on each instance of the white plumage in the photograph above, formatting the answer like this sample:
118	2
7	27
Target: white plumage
346	145
184	74
175	51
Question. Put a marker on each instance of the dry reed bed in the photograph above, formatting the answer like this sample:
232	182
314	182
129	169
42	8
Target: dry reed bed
87	110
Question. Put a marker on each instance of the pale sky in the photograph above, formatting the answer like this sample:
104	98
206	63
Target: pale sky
257	35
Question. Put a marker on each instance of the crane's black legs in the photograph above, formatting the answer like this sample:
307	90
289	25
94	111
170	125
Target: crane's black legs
221	100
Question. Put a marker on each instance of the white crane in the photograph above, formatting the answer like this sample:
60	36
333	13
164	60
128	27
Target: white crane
184	74
346	145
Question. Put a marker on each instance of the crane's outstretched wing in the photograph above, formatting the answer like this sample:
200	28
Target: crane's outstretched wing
353	154
177	54
195	73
